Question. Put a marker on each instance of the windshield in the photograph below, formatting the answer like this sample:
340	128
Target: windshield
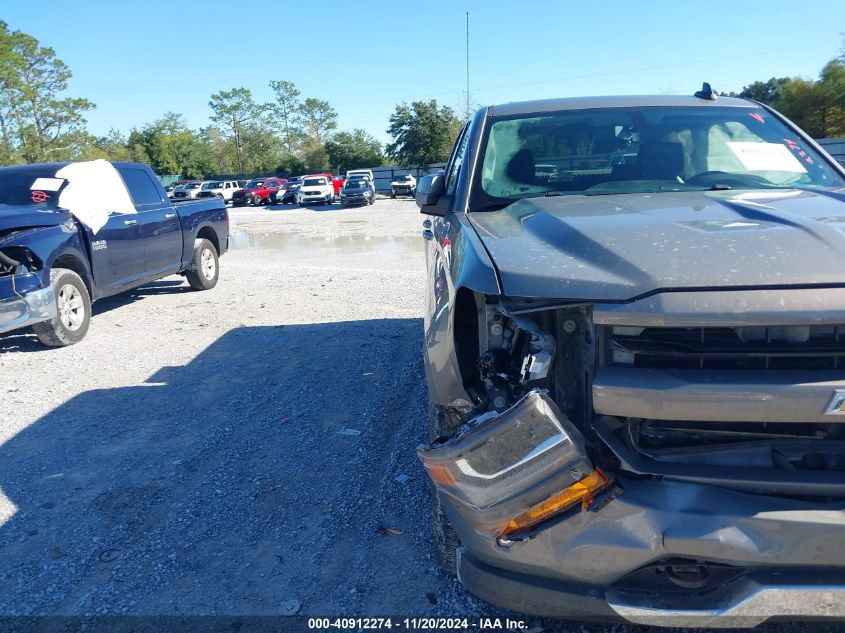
213	185
355	184
30	186
629	150
313	182
254	184
193	185
403	179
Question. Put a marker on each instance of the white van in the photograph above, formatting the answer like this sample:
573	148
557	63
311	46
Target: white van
366	173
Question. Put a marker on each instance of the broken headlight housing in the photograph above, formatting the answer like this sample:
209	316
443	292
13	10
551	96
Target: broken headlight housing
510	471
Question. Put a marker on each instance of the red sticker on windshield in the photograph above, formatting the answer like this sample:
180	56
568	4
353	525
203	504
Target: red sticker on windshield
39	196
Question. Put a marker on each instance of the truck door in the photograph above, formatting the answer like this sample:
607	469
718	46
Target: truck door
161	231
117	252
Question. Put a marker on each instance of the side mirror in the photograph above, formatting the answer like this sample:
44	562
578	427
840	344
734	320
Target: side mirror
429	190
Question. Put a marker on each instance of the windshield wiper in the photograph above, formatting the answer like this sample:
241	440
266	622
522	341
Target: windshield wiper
495	205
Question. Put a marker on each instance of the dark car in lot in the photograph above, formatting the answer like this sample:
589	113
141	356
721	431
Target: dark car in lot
633	350
288	194
357	191
71	234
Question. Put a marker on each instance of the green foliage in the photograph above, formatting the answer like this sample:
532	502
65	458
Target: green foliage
353	150
35	123
238	115
318	120
817	106
286	113
313	156
767	92
422	132
290	165
171	148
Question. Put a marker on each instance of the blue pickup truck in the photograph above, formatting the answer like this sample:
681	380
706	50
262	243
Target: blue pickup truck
65	242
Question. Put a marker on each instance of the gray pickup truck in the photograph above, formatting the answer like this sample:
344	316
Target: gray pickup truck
635	353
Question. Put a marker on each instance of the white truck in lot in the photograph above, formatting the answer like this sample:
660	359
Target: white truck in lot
219	188
404	185
365	173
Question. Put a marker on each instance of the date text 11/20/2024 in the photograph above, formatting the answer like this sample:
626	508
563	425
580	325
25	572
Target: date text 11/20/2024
461	624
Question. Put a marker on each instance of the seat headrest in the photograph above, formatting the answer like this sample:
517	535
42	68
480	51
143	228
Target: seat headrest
521	167
660	160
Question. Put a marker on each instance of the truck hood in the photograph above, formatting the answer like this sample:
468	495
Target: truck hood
13	218
618	247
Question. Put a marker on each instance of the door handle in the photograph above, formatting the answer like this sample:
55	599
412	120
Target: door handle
169	216
427	224
428	235
130	222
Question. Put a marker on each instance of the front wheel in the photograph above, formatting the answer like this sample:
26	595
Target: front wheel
446	540
205	267
256	200
73	304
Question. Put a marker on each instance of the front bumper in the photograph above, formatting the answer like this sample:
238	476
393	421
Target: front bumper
28	308
743	603
303	199
787	555
350	200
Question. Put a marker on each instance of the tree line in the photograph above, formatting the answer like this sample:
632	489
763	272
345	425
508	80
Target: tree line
292	134
815	105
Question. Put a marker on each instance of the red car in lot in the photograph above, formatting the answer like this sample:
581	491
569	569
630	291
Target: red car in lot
257	191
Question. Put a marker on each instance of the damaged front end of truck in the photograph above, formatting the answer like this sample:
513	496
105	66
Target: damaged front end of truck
26	297
678	460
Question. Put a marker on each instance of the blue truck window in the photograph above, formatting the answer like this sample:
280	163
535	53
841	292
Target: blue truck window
140	187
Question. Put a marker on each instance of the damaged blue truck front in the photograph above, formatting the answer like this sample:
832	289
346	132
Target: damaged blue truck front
635	353
27	238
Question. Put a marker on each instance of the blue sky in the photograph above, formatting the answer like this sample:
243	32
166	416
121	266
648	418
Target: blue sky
137	60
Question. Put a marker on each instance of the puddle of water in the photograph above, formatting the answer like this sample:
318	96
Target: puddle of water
310	245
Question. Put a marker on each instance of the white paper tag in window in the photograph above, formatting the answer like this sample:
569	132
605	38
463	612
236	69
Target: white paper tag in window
766	157
47	184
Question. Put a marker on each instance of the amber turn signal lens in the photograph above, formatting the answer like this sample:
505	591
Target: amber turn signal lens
582	490
440	474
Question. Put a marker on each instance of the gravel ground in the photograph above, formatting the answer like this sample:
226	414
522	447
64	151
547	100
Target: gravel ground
226	452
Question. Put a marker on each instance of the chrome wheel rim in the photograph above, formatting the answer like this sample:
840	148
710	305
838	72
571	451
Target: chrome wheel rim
207	264
71	307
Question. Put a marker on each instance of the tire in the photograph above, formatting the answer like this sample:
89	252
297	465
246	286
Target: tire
446	541
205	267
256	200
392	194
74	305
